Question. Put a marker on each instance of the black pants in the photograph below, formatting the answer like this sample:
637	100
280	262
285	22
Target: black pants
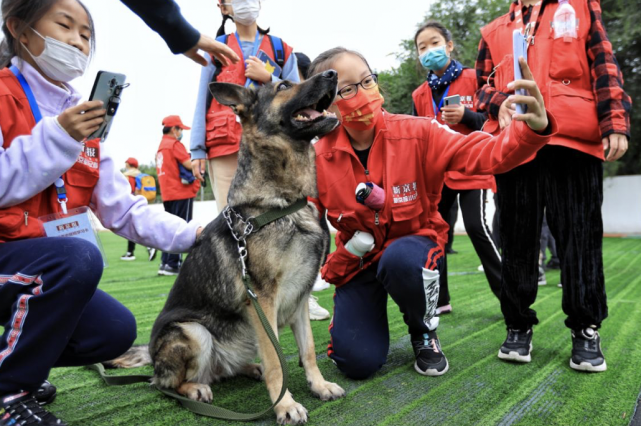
472	203
450	218
569	185
183	209
131	246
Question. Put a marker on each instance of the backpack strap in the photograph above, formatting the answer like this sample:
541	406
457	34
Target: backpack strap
219	68
279	52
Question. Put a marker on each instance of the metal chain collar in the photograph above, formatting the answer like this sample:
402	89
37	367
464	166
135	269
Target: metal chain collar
241	240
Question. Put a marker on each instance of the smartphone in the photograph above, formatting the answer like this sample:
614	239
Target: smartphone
107	88
519	48
452	100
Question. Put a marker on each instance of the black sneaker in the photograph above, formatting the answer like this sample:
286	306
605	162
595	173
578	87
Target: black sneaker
586	351
430	359
553	264
23	409
168	270
517	346
46	393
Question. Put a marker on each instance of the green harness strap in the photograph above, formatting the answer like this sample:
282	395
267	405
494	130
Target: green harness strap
210	410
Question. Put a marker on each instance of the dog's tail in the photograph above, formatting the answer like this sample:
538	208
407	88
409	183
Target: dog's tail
137	356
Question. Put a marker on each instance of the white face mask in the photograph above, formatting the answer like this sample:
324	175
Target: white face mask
60	61
245	11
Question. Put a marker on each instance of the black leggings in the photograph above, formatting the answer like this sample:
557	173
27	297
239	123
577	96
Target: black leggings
569	185
472	204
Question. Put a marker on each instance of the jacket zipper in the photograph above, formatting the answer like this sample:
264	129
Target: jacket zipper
26	218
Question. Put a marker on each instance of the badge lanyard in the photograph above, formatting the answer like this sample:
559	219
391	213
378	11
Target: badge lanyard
254	50
528	30
440	104
35	110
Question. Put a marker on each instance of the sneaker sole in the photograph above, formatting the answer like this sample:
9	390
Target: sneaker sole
168	274
128	259
318	318
431	371
515	356
586	366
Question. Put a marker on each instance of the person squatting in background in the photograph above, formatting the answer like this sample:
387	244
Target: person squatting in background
52	312
573	63
448	77
390	239
215	138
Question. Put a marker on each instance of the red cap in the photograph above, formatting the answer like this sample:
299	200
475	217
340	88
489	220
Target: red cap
174	121
132	162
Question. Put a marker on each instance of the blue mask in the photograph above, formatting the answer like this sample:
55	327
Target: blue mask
434	59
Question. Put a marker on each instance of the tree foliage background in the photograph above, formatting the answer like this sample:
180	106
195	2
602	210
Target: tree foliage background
464	18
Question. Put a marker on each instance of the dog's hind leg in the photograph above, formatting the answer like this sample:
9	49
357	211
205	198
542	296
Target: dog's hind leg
287	410
183	360
136	356
326	391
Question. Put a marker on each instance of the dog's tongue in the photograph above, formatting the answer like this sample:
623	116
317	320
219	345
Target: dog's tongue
311	113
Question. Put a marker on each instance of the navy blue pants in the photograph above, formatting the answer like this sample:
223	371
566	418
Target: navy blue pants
359	330
183	209
52	312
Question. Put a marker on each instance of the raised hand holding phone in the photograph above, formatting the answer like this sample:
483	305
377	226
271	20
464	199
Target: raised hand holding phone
535	116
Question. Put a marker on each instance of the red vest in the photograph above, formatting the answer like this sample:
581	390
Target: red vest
465	86
171	188
562	72
223	130
16	119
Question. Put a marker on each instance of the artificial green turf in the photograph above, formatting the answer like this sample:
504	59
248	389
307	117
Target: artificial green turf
478	389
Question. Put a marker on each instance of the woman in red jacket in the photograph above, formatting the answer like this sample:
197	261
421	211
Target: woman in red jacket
448	77
398	164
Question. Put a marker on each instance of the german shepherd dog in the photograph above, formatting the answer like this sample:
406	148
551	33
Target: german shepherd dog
208	330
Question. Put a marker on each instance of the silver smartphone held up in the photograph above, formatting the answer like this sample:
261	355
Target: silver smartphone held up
519	48
452	100
107	88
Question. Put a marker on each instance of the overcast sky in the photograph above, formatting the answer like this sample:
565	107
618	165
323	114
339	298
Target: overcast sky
163	84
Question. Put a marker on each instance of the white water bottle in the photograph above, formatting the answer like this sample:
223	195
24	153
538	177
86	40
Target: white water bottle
565	23
360	243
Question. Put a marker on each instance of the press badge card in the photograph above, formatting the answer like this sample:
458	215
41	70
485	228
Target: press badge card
77	223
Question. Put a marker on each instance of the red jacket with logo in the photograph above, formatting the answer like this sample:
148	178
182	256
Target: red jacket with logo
408	159
562	72
171	152
465	86
16	119
222	129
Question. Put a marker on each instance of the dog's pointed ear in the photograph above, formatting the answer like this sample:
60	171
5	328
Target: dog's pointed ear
238	98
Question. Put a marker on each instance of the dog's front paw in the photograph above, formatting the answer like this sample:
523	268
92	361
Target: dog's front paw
291	413
196	391
327	391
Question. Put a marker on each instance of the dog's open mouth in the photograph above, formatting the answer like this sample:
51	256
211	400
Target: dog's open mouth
315	112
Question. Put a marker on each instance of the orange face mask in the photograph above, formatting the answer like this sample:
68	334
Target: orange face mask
361	111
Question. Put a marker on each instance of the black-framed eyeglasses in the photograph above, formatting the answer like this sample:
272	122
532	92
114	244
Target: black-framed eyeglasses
349	91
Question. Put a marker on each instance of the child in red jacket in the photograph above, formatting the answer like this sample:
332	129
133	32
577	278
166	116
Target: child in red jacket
391	242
